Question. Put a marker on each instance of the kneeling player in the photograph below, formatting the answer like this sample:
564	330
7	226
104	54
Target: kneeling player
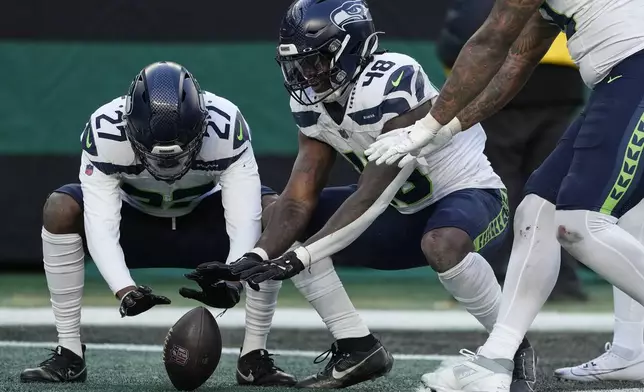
447	209
182	163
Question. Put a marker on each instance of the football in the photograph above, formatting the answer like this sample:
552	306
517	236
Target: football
192	349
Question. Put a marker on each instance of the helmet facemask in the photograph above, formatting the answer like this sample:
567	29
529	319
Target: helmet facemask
171	160
325	73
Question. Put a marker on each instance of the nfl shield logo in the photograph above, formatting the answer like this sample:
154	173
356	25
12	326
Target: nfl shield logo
89	169
343	133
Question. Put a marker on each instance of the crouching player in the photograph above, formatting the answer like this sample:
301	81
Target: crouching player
168	179
447	209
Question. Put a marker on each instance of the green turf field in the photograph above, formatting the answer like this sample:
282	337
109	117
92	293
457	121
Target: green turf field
405	290
112	368
115	371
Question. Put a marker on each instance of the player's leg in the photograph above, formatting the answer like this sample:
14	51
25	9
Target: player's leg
532	273
63	258
605	181
465	227
462	227
255	366
356	355
624	358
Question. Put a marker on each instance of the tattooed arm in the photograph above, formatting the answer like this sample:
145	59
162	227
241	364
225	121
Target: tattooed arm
376	188
482	56
290	214
525	54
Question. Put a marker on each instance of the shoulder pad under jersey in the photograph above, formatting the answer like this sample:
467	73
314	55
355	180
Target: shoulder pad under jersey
227	135
105	141
392	84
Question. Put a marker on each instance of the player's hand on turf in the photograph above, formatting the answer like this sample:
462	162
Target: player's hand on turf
221	294
284	267
140	300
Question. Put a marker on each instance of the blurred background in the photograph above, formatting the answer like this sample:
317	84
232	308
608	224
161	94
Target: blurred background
61	60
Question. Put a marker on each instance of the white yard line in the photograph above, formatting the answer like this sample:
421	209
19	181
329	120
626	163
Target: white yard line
308	319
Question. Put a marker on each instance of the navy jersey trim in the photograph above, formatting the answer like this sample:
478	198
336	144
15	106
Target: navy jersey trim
217	164
306	119
373	115
400	80
110	168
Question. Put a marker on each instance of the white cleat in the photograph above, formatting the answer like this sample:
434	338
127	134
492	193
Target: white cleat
474	374
610	366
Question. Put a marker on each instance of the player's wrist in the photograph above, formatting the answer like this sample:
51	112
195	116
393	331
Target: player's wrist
261	253
454	126
303	255
430	124
124	291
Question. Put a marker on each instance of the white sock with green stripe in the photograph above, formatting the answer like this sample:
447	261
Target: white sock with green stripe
473	284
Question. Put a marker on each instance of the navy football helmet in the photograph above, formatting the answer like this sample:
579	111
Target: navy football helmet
165	118
323	47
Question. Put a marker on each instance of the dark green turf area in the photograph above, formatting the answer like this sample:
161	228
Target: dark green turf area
119	371
416	289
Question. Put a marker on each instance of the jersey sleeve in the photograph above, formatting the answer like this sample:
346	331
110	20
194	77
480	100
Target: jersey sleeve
391	86
242	201
106	155
102	218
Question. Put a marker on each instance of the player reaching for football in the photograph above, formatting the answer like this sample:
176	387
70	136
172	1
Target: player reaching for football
581	195
448	209
168	178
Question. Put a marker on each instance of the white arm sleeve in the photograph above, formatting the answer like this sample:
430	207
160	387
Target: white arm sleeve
340	239
102	217
242	201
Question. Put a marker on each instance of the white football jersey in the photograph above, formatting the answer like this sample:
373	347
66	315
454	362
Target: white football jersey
106	149
601	33
111	173
391	85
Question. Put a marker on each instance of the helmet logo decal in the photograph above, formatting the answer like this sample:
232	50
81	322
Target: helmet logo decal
350	12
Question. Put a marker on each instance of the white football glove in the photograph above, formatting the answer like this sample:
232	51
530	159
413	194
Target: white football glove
406	142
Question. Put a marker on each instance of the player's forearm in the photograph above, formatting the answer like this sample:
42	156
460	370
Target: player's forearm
287	224
107	254
505	85
355	215
479	60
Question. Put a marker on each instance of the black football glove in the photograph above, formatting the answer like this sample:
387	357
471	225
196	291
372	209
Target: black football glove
221	295
140	300
215	271
284	267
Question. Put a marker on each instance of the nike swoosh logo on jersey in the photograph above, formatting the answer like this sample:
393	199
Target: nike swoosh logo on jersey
249	378
396	82
338	375
88	144
611	79
240	136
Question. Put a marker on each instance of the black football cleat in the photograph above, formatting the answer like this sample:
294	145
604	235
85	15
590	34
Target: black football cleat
524	376
258	368
349	368
62	366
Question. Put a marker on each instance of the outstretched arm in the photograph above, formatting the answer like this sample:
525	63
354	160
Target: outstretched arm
483	55
292	211
376	188
524	55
